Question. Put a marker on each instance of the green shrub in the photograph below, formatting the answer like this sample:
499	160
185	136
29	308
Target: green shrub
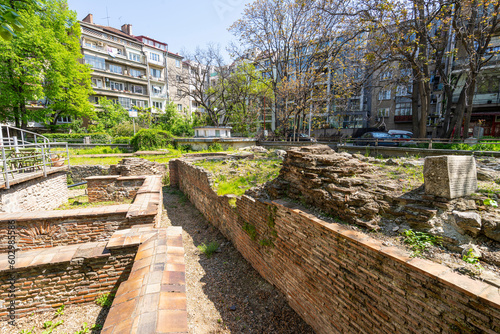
209	249
215	147
122	140
148	139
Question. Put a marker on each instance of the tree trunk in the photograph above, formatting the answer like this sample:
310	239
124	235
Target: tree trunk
414	110
470	98
425	93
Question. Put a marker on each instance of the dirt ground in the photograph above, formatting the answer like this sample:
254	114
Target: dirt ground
74	319
225	294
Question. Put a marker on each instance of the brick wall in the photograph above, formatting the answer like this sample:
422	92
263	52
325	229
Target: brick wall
58	228
113	187
42	193
80	280
340	280
76	227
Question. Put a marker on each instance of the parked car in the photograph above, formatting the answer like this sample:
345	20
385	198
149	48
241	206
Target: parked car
373	138
300	137
403	138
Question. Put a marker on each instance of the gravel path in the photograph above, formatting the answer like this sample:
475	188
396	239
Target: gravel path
225	294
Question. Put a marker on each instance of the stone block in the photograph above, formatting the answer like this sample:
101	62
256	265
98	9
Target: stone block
450	176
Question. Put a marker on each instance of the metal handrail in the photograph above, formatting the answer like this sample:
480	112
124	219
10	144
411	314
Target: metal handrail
19	156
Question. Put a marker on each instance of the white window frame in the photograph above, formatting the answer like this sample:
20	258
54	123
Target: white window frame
384	94
154	56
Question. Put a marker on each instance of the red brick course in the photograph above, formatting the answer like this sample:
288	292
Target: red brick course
338	279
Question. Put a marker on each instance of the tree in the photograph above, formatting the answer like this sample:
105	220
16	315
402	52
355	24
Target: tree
41	64
108	115
198	76
475	22
9	19
299	45
403	30
244	96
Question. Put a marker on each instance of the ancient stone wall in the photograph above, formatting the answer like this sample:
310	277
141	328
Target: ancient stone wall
137	166
79	173
49	282
340	280
351	190
42	193
113	187
65	227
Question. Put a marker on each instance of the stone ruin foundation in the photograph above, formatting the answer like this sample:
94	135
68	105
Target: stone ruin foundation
345	187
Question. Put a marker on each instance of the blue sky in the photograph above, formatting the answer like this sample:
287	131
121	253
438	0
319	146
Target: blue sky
183	24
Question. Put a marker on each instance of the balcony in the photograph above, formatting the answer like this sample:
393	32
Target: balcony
403	119
159	95
481	99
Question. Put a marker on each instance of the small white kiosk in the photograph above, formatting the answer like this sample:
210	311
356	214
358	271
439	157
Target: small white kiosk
212	132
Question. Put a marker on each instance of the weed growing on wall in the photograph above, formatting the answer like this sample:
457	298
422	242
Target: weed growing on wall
105	300
251	231
419	242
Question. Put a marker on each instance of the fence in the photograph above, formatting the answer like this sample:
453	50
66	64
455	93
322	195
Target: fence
22	156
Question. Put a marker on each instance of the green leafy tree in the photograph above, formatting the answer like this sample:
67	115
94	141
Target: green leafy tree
41	64
246	92
10	19
108	115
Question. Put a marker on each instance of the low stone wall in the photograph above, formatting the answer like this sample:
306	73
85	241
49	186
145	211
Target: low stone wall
113	187
47	279
41	193
65	227
137	167
337	279
79	173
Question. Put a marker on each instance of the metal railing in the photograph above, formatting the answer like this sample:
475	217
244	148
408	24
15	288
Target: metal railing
22	156
428	143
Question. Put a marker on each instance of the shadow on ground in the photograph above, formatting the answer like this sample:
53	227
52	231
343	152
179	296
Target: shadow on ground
225	294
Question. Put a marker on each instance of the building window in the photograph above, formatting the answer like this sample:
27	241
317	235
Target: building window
403	109
139	103
178	78
177	63
95	62
116	85
134	57
386	75
217	133
91	44
158	105
125	102
135	73
384	95
64	119
115	69
137	89
403	90
155	73
154	56
179	107
97	83
156	89
383	112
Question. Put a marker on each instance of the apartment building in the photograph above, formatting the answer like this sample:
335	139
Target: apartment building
155	53
132	70
119	65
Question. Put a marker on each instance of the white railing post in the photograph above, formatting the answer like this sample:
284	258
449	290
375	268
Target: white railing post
67	155
43	160
5	170
16	145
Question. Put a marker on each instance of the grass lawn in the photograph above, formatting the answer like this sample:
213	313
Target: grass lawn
236	177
